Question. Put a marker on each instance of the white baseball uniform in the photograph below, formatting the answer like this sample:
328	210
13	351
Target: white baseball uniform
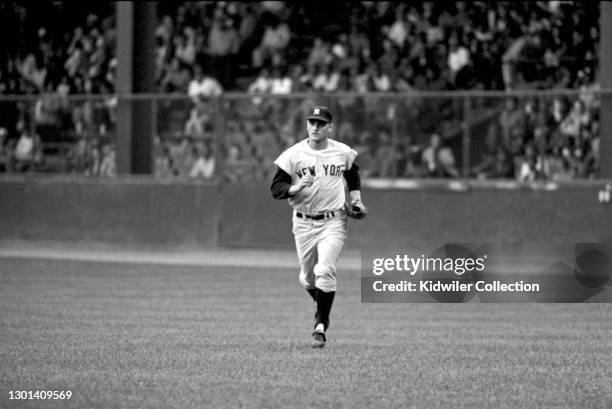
319	219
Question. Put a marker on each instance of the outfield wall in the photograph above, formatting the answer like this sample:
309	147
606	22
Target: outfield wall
144	212
131	211
432	213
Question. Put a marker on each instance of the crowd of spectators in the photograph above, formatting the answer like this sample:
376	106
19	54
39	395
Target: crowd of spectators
184	158
93	157
533	140
387	46
204	49
57	47
374	46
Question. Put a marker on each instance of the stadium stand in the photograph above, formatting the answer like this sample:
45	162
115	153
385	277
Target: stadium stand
206	48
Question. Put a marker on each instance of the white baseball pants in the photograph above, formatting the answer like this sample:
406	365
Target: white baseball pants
318	244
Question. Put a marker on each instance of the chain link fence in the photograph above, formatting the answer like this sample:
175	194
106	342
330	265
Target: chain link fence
529	135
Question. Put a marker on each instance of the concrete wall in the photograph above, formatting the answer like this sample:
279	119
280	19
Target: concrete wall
437	212
126	211
140	211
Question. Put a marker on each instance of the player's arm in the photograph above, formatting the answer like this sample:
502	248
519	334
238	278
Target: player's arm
355	209
281	184
353	182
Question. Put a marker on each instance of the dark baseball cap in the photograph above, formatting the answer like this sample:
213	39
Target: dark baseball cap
321	113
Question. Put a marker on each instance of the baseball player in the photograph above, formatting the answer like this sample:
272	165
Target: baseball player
312	175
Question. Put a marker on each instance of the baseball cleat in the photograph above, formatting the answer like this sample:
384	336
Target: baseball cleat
318	340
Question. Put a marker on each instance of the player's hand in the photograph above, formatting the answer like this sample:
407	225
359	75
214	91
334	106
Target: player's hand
305	181
356	209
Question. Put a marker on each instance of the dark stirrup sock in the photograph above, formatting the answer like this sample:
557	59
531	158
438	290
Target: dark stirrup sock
324	304
313	293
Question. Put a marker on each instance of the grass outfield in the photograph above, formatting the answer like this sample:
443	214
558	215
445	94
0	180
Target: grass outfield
150	336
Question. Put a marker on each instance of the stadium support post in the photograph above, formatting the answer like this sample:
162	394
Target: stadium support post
124	18
135	74
605	70
465	140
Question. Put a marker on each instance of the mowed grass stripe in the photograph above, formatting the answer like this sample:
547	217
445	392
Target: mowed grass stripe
129	335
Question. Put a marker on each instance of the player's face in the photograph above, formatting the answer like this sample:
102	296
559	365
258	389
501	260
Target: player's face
317	130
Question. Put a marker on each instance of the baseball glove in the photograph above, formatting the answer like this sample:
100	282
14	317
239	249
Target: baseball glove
356	210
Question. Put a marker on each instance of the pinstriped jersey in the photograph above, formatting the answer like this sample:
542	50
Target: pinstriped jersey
327	166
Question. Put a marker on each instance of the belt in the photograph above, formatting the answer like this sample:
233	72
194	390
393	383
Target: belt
321	216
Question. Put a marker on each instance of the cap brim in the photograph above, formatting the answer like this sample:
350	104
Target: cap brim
319	118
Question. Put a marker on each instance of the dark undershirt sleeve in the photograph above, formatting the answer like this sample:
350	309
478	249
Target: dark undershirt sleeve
281	184
353	180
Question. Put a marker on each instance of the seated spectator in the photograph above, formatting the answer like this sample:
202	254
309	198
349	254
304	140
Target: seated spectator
555	166
183	156
272	47
184	46
439	159
540	139
204	165
247	26
488	152
458	61
78	157
165	29
326	80
95	157
237	168
398	32
588	89
362	82
296	72
359	43
320	54
28	152
592	157
163	167
406	167
500	167
386	157
389	58
381	80
575	157
223	45
34	73
345	85
176	78
530	65
203	86
194	127
307	77
340	49
47	110
62	90
511	118
108	163
577	119
262	84
400	81
527	165
510	59
281	82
